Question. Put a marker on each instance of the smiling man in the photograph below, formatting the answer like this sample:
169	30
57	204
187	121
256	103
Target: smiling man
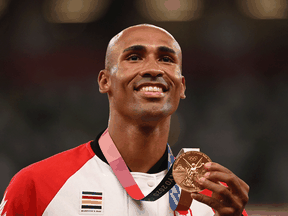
144	84
121	171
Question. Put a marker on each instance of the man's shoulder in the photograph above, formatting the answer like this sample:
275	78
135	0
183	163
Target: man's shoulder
63	162
52	171
40	182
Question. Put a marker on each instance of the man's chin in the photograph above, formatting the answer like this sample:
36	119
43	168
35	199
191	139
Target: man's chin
154	115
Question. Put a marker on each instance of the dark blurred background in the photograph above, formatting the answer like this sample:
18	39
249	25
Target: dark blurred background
234	59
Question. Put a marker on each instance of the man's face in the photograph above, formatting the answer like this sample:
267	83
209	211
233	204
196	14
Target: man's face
146	81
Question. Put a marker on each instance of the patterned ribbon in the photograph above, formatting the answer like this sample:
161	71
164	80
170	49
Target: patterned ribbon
124	176
174	192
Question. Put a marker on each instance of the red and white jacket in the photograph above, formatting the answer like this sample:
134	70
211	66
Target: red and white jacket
77	182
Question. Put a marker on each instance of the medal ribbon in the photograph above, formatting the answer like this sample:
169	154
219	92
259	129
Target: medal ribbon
124	176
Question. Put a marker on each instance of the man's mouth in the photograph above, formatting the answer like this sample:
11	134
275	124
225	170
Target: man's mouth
151	89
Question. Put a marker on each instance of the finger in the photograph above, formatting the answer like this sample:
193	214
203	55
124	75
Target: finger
245	189
210	201
220	173
220	189
236	200
212	166
237	185
220	207
244	185
229	178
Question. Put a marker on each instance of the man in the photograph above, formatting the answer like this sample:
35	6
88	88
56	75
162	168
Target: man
144	84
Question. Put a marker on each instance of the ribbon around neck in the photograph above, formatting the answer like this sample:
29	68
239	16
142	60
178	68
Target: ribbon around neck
124	176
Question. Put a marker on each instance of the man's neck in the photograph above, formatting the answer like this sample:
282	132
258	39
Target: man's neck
141	146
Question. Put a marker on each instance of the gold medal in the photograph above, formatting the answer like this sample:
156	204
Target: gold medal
189	167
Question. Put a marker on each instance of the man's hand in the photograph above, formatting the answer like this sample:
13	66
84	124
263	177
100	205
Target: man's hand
229	200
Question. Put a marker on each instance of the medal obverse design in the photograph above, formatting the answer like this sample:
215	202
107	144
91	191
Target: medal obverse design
189	167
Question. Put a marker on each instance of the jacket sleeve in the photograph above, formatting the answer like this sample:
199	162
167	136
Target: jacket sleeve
19	197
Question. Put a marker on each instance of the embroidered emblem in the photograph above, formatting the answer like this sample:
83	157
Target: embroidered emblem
2	205
91	202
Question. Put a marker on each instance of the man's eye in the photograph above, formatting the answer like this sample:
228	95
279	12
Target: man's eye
166	59
133	58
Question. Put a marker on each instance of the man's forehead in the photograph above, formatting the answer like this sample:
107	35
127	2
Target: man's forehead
146	35
146	30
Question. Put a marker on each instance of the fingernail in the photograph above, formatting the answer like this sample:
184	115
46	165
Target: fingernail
207	165
207	174
202	179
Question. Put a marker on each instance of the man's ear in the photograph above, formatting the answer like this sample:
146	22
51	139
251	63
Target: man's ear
104	81
183	88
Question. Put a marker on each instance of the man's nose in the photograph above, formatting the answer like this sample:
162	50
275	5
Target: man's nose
153	72
151	68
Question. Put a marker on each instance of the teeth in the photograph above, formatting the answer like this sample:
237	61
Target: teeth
151	89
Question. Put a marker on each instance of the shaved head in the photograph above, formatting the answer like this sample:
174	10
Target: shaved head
111	54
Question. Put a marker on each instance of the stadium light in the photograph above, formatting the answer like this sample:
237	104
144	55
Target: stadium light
74	11
264	9
170	10
3	6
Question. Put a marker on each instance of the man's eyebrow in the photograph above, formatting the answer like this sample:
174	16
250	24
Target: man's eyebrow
143	48
166	49
135	48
